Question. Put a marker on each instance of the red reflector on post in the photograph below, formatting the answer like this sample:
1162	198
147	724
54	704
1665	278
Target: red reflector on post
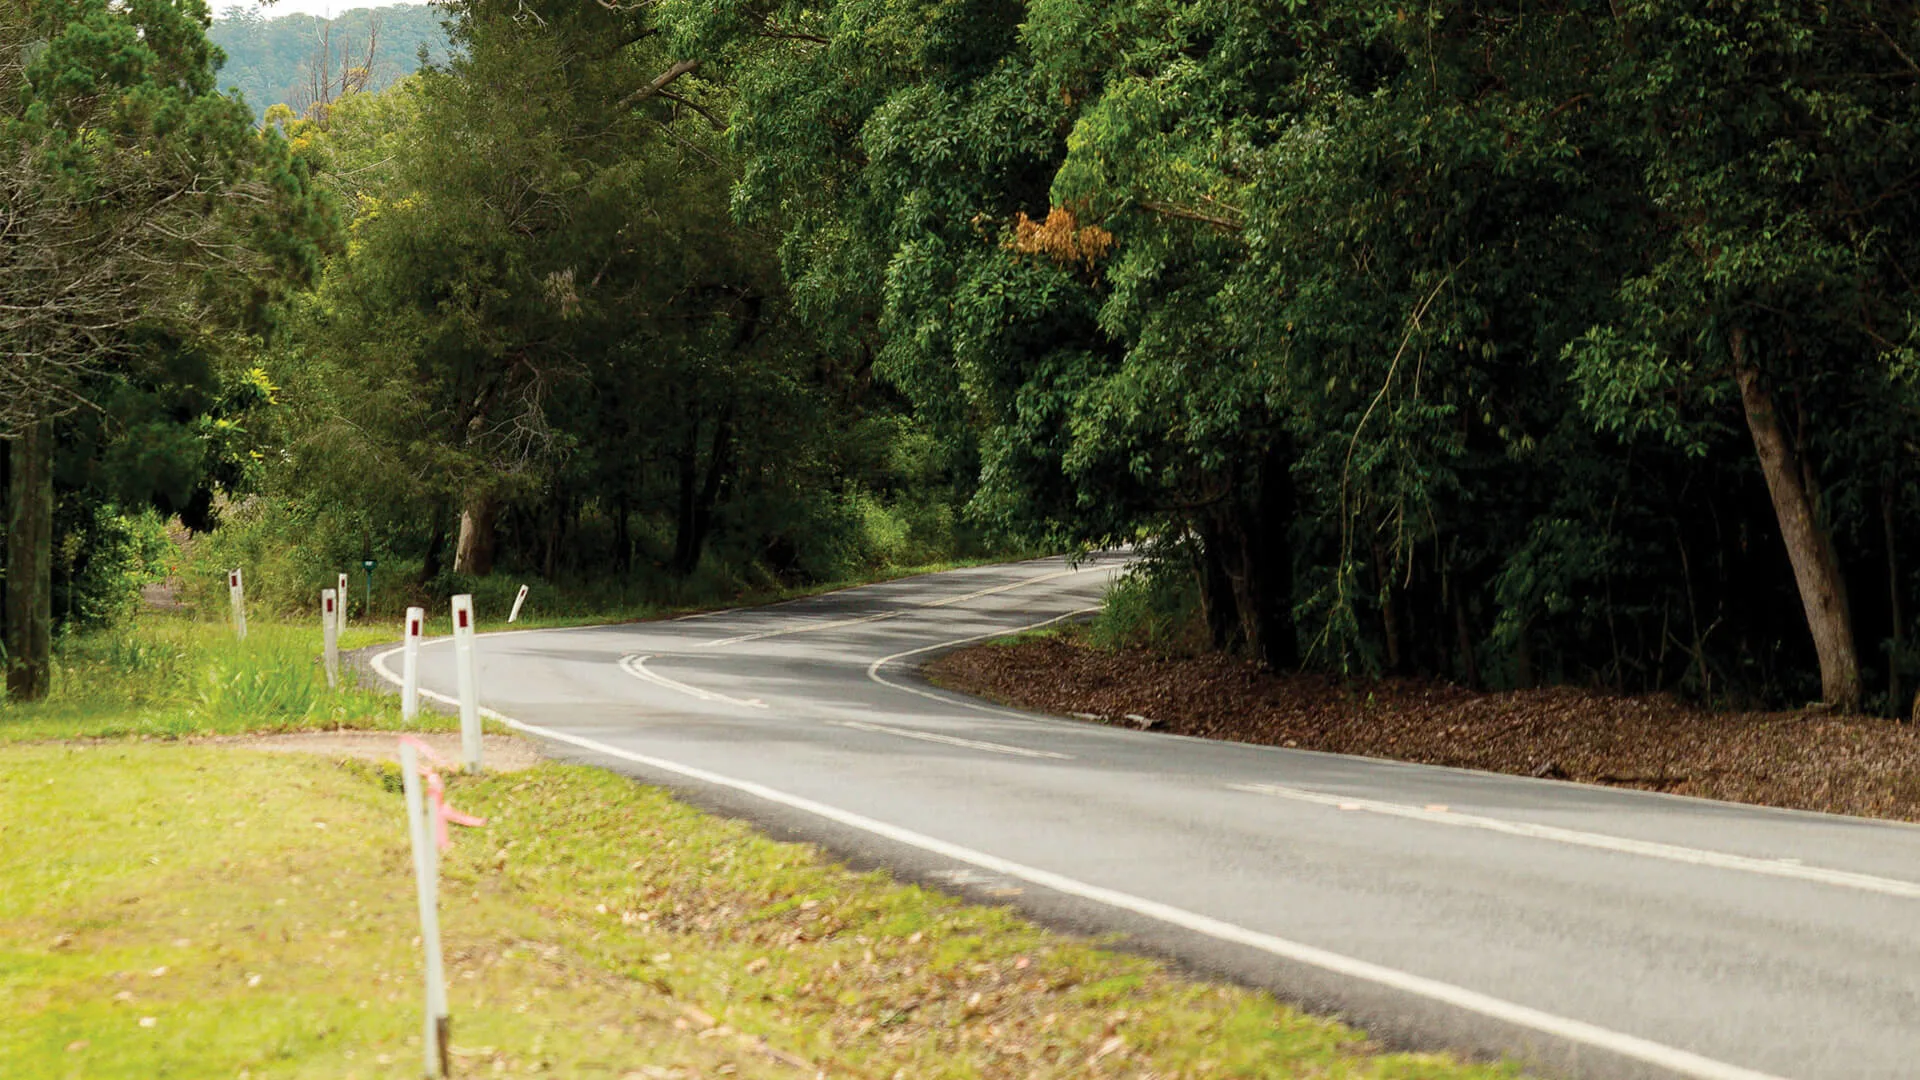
233	581
413	627
463	620
329	603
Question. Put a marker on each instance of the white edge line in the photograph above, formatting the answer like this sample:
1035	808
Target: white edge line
950	740
1651	849
873	669
1684	1062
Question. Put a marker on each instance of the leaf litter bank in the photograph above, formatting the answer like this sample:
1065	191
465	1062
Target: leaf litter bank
1801	760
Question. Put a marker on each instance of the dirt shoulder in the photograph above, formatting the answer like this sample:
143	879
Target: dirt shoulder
1864	767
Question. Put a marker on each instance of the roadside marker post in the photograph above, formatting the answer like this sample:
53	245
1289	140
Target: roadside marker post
330	633
517	601
426	872
469	678
410	665
237	591
341	592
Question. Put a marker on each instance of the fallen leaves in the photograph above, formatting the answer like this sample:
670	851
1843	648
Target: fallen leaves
1802	760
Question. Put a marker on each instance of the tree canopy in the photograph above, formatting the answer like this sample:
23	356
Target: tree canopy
1502	343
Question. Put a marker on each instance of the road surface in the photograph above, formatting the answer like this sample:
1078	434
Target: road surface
1587	932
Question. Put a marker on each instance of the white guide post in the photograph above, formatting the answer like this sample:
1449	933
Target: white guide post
330	633
426	873
517	601
410	665
469	678
237	591
341	591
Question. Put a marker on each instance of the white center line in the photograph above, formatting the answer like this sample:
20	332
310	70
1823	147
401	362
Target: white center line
928	736
836	624
1783	868
636	666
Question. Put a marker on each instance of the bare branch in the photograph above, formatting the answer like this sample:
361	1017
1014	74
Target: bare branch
718	124
661	83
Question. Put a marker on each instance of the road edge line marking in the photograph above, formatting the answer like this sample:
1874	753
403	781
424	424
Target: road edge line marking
1652	849
873	669
950	740
1684	1062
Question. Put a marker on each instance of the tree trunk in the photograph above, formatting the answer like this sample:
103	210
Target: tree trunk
1389	608
697	499
29	618
1816	569
1250	535
1216	590
1895	654
1469	661
622	536
686	548
436	538
474	552
1270	560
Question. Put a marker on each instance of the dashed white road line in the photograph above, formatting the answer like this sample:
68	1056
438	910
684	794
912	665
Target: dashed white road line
950	740
1782	868
1683	1062
636	666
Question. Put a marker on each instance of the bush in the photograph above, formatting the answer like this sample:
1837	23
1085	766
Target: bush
102	559
1156	606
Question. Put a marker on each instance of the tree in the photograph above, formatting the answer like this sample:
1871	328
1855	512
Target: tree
131	193
1777	140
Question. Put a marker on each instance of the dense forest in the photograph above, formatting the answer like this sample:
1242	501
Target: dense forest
301	60
1503	343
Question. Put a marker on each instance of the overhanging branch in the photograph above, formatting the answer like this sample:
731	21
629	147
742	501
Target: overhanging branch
666	77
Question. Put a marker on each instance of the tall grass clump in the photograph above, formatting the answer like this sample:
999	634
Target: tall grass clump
1155	606
168	676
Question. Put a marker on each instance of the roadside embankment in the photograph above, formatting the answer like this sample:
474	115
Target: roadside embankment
1799	760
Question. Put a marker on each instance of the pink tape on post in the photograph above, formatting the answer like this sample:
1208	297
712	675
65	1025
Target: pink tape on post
437	791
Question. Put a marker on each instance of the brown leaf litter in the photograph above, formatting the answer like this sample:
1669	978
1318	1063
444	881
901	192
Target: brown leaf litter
1802	760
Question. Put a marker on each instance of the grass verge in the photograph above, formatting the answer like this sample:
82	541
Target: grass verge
169	676
192	910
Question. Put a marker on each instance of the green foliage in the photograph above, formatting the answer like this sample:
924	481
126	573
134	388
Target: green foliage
149	229
1154	606
1431	342
1416	323
271	59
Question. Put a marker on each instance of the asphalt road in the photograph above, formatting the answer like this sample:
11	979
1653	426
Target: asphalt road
1587	932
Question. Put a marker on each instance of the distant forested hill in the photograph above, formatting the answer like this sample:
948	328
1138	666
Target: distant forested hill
272	60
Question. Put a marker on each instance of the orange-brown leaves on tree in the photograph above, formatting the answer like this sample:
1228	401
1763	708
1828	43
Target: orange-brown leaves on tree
1061	238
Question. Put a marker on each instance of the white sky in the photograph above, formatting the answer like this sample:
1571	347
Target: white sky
323	8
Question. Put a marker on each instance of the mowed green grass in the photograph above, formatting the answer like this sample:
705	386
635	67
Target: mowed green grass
205	910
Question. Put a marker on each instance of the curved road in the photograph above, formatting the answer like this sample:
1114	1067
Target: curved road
1588	932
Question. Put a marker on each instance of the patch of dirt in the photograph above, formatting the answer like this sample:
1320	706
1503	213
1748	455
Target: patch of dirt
1805	761
162	596
499	753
